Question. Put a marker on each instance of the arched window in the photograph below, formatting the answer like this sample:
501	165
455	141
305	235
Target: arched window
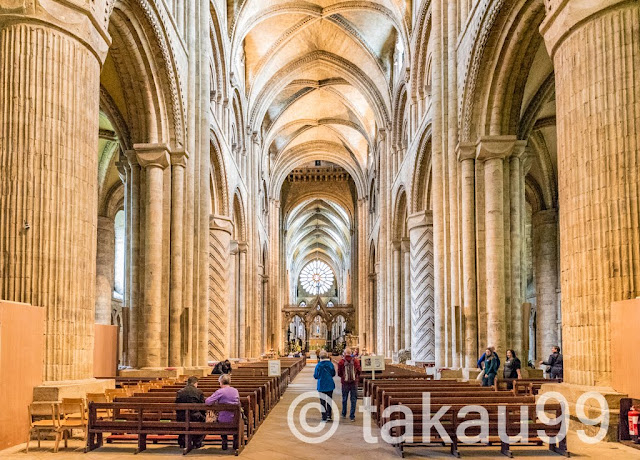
316	277
303	304
330	303
118	285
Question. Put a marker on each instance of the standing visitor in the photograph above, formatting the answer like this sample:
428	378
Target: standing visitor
512	368
349	373
324	373
554	363
491	365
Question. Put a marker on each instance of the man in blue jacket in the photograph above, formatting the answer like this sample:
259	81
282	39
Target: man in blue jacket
324	373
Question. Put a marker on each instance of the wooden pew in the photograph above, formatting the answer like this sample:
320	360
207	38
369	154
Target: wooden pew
451	420
145	425
524	386
166	414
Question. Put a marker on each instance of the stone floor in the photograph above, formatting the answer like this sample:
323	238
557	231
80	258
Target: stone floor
274	440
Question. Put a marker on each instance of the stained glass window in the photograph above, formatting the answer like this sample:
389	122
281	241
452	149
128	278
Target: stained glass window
316	277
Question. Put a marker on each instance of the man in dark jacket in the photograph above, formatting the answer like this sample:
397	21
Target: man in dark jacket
349	372
324	373
221	368
556	366
190	394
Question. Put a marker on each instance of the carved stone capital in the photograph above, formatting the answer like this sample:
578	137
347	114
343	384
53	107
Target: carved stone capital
220	224
466	151
152	155
420	219
498	147
85	21
566	16
179	158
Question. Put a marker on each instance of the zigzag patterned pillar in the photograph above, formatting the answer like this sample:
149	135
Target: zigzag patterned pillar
220	229
422	285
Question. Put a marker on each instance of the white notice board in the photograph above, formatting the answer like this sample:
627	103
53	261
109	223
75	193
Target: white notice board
372	363
274	368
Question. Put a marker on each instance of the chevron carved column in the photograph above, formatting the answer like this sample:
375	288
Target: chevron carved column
422	283
220	229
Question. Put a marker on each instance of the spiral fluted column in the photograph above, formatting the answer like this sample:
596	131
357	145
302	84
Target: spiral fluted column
422	294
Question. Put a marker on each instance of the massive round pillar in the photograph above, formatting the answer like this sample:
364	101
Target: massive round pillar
595	48
49	80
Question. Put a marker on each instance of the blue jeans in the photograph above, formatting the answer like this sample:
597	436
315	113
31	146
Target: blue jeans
349	390
487	380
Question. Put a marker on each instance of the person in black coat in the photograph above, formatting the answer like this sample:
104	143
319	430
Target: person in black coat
222	367
555	363
190	394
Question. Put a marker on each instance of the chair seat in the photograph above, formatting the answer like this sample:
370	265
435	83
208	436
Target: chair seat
43	424
72	423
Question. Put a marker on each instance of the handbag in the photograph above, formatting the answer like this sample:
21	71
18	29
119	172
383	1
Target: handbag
211	417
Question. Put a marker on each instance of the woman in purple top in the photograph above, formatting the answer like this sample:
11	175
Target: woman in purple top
225	395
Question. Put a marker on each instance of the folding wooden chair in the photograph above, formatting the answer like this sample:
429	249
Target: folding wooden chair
44	417
73	416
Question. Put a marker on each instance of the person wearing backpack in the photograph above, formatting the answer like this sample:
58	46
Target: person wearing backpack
324	373
349	373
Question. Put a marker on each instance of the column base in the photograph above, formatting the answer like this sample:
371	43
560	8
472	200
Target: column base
155	372
55	391
592	410
470	373
198	371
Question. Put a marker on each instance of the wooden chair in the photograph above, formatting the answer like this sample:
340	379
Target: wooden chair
44	417
73	416
145	387
115	393
99	398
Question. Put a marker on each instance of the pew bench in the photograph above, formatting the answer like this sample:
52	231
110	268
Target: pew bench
451	421
145	423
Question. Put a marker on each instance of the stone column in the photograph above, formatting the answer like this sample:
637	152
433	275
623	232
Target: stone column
134	293
545	269
105	259
466	157
422	295
596	55
49	77
371	319
220	230
242	309
516	212
492	151
406	294
178	164
154	158
397	293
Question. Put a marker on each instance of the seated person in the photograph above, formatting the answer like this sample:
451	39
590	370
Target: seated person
190	394
222	367
225	395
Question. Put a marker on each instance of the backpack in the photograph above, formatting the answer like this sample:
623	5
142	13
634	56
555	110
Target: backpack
349	371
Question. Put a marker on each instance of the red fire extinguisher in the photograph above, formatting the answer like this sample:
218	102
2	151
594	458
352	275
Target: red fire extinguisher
633	416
